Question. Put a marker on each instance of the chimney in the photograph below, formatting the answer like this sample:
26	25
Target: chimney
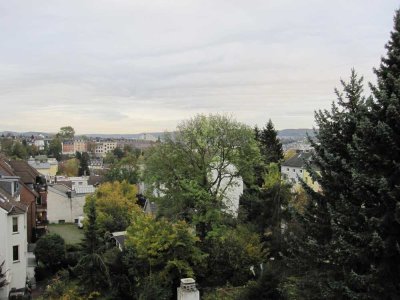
188	290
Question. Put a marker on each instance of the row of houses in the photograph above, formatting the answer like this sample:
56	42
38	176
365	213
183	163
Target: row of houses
101	148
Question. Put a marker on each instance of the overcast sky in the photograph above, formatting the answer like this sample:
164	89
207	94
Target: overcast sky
128	66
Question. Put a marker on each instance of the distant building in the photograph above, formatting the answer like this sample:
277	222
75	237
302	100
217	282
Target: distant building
48	167
80	146
68	148
135	144
72	146
102	148
39	143
294	170
147	137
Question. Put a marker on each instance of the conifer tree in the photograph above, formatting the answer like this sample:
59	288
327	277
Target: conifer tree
350	248
377	174
91	268
329	250
270	146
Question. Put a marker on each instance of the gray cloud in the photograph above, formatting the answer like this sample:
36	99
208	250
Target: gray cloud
131	66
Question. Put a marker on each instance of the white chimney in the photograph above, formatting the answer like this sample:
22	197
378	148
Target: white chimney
188	290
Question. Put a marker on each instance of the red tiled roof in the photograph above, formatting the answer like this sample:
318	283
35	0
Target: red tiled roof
24	170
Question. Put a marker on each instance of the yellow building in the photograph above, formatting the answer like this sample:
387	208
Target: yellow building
48	167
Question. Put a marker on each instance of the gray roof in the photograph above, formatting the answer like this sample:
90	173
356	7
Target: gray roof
297	161
150	207
39	165
119	237
88	189
60	187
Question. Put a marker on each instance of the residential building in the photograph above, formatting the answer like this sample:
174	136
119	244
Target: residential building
294	170
135	144
80	146
36	182
28	196
147	137
13	238
48	167
65	204
68	148
232	187
39	143
102	148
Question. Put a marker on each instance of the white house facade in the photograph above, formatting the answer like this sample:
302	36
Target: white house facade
65	205
13	242
232	188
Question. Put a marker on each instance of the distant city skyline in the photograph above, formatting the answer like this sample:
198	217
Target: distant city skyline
144	66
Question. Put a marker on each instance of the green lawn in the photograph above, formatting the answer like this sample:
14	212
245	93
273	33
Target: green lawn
69	232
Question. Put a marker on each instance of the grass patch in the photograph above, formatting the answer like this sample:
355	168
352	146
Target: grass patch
69	232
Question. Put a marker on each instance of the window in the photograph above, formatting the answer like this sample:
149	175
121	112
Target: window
15	224
15	253
39	200
76	221
287	169
301	171
294	170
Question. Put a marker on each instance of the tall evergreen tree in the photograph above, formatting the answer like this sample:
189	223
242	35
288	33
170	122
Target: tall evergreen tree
331	250
270	146
84	161
352	230
270	149
91	268
377	160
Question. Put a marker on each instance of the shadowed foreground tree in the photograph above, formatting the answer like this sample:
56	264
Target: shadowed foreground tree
3	280
350	247
91	269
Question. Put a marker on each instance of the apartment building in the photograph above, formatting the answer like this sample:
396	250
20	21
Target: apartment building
13	237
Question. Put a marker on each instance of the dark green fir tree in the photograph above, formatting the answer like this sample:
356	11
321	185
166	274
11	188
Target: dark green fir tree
270	146
349	248
91	269
327	251
377	172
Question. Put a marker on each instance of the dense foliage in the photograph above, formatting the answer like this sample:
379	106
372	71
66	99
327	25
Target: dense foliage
115	202
50	250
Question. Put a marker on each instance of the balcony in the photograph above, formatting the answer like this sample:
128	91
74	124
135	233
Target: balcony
41	208
41	223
